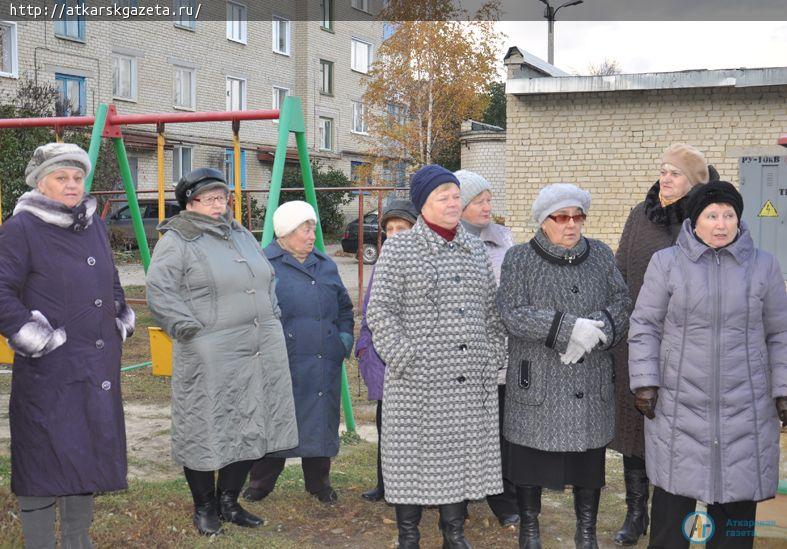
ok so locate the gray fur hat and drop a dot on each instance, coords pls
(55, 156)
(559, 195)
(471, 185)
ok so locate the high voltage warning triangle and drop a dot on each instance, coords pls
(768, 210)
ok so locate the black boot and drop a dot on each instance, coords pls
(375, 494)
(407, 519)
(586, 509)
(203, 492)
(528, 499)
(452, 524)
(636, 523)
(231, 511)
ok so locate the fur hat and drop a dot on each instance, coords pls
(427, 179)
(198, 181)
(557, 196)
(689, 160)
(715, 192)
(55, 156)
(471, 185)
(399, 208)
(290, 215)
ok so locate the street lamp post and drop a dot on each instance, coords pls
(549, 15)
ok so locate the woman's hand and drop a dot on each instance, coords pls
(347, 341)
(645, 399)
(587, 333)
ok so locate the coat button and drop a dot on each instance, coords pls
(98, 303)
(257, 322)
(107, 385)
(91, 260)
(579, 394)
(314, 282)
(574, 290)
(258, 353)
(252, 291)
(463, 347)
(450, 245)
(457, 279)
(461, 379)
(320, 393)
(461, 311)
(99, 344)
(319, 356)
(289, 334)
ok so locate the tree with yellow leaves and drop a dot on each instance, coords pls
(431, 73)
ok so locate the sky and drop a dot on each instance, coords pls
(653, 46)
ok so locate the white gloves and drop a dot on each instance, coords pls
(584, 338)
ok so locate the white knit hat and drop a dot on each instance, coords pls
(557, 196)
(471, 185)
(290, 215)
(54, 156)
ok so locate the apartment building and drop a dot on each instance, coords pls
(185, 65)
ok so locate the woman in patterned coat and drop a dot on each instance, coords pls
(565, 304)
(432, 312)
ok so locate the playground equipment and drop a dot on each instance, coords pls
(108, 123)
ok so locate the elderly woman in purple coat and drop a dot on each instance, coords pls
(399, 215)
(64, 313)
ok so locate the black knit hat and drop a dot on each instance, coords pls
(715, 192)
(197, 181)
(401, 209)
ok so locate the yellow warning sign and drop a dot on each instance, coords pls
(768, 210)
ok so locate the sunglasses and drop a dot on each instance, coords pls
(562, 219)
(211, 200)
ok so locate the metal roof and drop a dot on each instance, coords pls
(738, 78)
(535, 63)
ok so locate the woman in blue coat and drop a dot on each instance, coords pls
(317, 317)
(64, 313)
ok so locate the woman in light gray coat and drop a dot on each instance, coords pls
(565, 304)
(433, 318)
(707, 363)
(212, 290)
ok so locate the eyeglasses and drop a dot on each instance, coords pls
(211, 200)
(562, 219)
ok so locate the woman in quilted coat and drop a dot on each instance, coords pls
(212, 290)
(708, 365)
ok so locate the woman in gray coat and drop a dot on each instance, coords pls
(433, 318)
(565, 305)
(707, 362)
(212, 290)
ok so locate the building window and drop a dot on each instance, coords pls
(359, 173)
(359, 118)
(361, 56)
(181, 162)
(281, 35)
(72, 94)
(185, 12)
(326, 134)
(124, 77)
(326, 70)
(67, 24)
(326, 7)
(388, 30)
(236, 22)
(185, 87)
(278, 97)
(362, 5)
(9, 54)
(397, 113)
(229, 168)
(236, 94)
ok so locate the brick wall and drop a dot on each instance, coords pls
(482, 152)
(610, 143)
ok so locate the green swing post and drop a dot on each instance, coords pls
(95, 142)
(291, 120)
(133, 204)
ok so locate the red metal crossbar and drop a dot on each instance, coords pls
(783, 140)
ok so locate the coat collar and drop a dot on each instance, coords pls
(275, 251)
(694, 249)
(77, 219)
(191, 225)
(491, 233)
(434, 242)
(673, 214)
(558, 254)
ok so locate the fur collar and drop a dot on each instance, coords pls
(77, 219)
(674, 214)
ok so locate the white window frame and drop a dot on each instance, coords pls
(357, 43)
(242, 85)
(331, 77)
(326, 14)
(237, 27)
(276, 100)
(183, 20)
(359, 119)
(277, 24)
(177, 160)
(362, 5)
(117, 58)
(322, 144)
(10, 50)
(193, 90)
